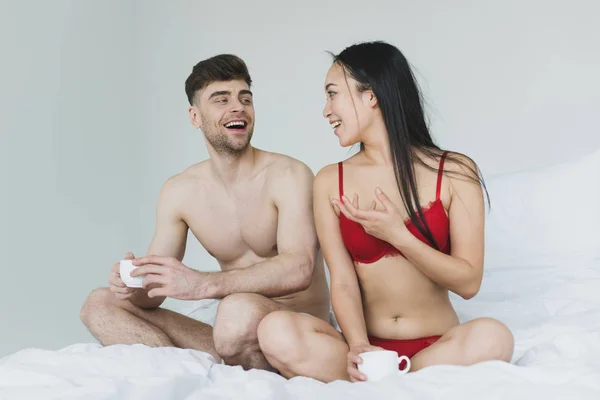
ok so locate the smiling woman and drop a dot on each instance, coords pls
(393, 262)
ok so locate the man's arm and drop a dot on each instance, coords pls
(169, 238)
(291, 271)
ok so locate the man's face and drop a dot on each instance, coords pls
(225, 112)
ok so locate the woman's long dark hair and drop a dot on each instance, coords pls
(382, 68)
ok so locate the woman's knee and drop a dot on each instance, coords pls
(490, 339)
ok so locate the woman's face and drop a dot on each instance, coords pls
(348, 111)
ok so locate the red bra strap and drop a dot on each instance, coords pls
(440, 173)
(341, 179)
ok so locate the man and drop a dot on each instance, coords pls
(250, 209)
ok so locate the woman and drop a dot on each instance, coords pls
(400, 224)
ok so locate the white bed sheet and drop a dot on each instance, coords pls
(553, 311)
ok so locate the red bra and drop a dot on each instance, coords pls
(367, 249)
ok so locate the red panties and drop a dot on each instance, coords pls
(407, 347)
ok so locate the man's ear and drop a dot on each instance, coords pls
(195, 119)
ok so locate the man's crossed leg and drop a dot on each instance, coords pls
(232, 339)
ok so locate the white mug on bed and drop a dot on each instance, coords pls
(125, 270)
(378, 365)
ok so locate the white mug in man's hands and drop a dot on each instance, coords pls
(378, 365)
(131, 281)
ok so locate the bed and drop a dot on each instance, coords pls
(542, 278)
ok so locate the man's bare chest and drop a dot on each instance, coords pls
(230, 228)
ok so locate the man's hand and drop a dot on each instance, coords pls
(173, 278)
(354, 359)
(116, 285)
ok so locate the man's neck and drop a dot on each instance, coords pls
(231, 169)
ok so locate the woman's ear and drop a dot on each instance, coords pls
(370, 98)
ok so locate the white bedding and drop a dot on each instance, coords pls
(555, 318)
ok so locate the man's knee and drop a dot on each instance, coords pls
(280, 337)
(96, 303)
(236, 323)
(490, 339)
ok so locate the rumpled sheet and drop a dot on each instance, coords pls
(553, 311)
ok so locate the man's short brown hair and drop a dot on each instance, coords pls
(222, 67)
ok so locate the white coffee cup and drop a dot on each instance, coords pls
(125, 270)
(378, 365)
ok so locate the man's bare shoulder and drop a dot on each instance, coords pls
(284, 169)
(188, 181)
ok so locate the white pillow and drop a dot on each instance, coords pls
(545, 216)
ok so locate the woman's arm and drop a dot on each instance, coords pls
(462, 270)
(345, 292)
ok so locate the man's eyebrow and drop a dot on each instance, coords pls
(220, 93)
(228, 93)
(329, 84)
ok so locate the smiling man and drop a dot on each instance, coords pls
(250, 209)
